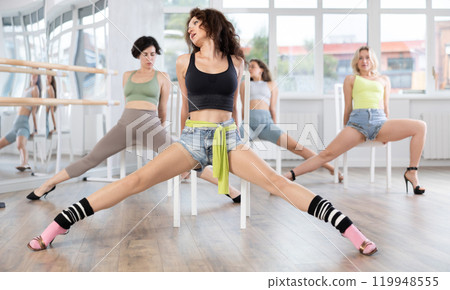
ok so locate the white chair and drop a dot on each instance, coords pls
(245, 186)
(339, 106)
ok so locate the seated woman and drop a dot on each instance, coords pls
(263, 109)
(146, 93)
(209, 79)
(366, 116)
(21, 128)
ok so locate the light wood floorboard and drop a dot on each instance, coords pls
(411, 232)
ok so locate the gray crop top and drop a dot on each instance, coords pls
(260, 91)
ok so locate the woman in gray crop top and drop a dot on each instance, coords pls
(21, 128)
(146, 93)
(263, 109)
(214, 41)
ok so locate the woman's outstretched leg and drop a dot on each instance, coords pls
(347, 139)
(3, 142)
(246, 164)
(114, 141)
(171, 162)
(290, 144)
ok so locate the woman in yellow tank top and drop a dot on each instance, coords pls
(366, 116)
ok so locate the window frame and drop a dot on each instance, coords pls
(58, 32)
(373, 12)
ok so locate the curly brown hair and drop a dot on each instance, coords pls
(219, 29)
(266, 75)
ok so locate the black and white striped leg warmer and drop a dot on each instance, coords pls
(324, 210)
(74, 213)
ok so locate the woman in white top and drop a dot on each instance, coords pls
(263, 109)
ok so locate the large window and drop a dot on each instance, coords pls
(403, 51)
(441, 70)
(343, 35)
(402, 4)
(253, 30)
(23, 38)
(351, 4)
(295, 60)
(295, 4)
(245, 4)
(89, 25)
(174, 43)
(308, 44)
(186, 3)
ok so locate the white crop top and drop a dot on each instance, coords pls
(260, 91)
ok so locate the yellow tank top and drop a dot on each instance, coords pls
(367, 94)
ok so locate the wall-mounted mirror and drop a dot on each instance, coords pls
(59, 32)
(23, 37)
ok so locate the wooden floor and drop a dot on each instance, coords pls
(412, 232)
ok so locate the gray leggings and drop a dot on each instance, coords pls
(135, 127)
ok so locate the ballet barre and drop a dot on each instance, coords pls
(46, 65)
(34, 71)
(9, 101)
(93, 70)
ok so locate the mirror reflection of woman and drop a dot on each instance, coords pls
(21, 128)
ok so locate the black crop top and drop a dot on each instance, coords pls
(211, 91)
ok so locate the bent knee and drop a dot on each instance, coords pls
(422, 125)
(20, 146)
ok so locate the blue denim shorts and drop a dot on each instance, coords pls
(20, 128)
(198, 142)
(262, 127)
(367, 121)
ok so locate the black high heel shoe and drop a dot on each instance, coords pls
(237, 199)
(416, 189)
(33, 196)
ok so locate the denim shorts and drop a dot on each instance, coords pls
(367, 121)
(198, 142)
(20, 128)
(262, 127)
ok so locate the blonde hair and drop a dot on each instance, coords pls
(373, 60)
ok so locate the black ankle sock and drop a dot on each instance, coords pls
(74, 213)
(324, 210)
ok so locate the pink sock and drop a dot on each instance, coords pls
(357, 238)
(48, 235)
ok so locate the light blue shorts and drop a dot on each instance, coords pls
(263, 127)
(20, 128)
(198, 142)
(367, 121)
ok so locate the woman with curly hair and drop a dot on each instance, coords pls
(209, 79)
